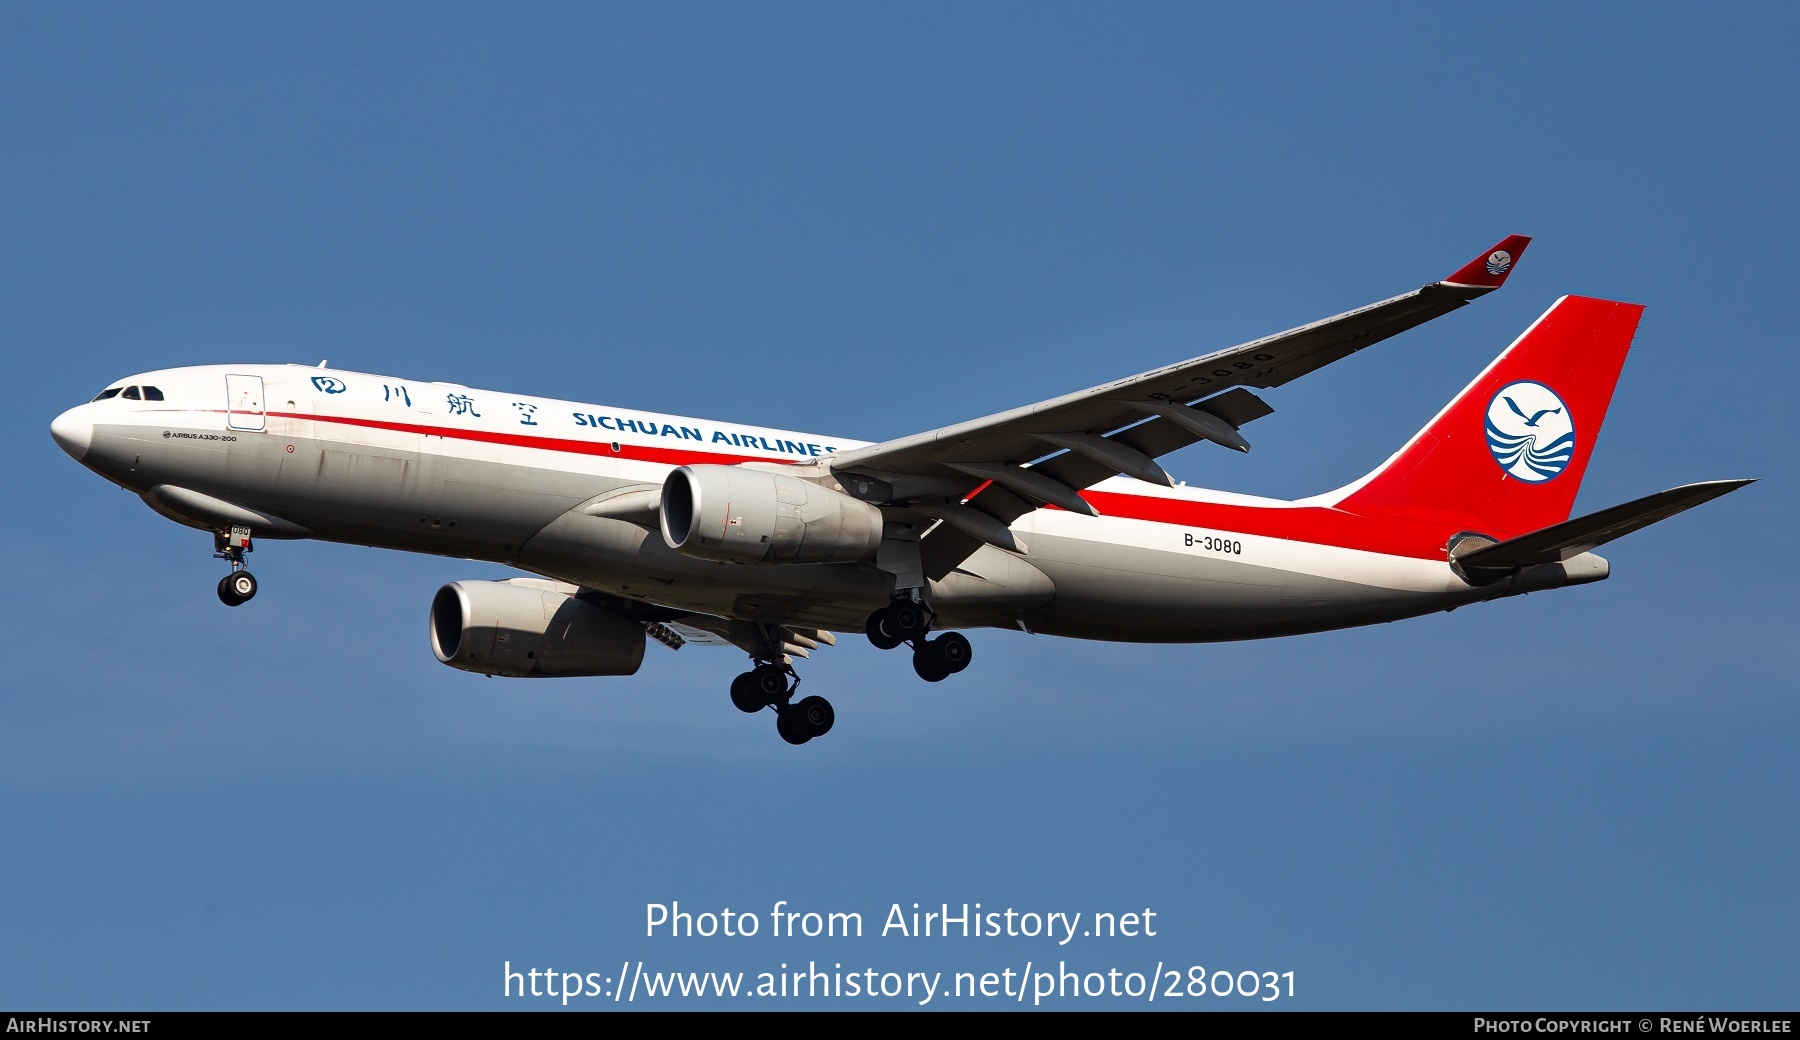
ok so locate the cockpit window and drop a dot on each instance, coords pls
(131, 394)
(104, 394)
(152, 393)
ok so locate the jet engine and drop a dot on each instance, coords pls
(530, 629)
(737, 515)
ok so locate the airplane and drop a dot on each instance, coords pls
(1053, 518)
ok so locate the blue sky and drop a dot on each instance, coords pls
(865, 222)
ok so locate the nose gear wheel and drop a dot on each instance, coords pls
(237, 588)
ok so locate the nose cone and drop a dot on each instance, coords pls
(73, 431)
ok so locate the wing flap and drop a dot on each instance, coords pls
(693, 635)
(1238, 407)
(1154, 439)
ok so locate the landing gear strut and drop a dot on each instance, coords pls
(771, 684)
(907, 621)
(238, 587)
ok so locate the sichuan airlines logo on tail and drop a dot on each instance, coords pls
(1530, 432)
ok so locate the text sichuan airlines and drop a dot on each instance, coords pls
(651, 427)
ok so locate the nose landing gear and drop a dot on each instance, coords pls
(905, 621)
(238, 587)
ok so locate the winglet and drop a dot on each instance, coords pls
(1489, 270)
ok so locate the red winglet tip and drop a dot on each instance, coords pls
(1489, 270)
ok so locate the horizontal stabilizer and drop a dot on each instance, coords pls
(1571, 538)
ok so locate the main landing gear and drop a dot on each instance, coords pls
(772, 682)
(907, 621)
(771, 685)
(238, 587)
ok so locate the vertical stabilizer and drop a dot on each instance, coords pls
(1508, 454)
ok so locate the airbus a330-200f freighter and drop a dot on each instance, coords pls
(1054, 518)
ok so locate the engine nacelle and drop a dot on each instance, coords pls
(526, 628)
(738, 515)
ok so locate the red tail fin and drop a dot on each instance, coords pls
(1507, 455)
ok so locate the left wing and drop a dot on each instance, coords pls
(979, 476)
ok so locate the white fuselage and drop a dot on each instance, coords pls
(445, 469)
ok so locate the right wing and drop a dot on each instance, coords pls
(1123, 426)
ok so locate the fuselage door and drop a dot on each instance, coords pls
(244, 403)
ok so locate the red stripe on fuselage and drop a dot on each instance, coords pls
(634, 452)
(1318, 525)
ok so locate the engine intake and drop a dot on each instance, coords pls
(527, 629)
(737, 515)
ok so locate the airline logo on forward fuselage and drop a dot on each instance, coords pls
(1530, 432)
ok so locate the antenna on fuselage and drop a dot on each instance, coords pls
(322, 363)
